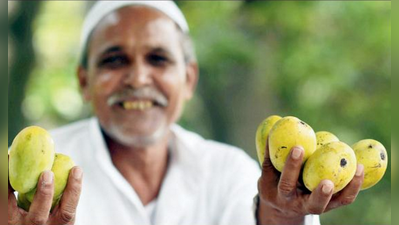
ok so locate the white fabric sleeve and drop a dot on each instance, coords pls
(238, 187)
(312, 220)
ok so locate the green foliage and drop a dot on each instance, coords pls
(326, 62)
(52, 95)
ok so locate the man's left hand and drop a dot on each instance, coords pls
(283, 201)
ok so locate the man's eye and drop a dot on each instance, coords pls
(114, 62)
(157, 60)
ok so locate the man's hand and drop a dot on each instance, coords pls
(283, 201)
(39, 212)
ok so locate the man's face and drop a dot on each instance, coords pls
(137, 79)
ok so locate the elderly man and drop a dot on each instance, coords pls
(138, 68)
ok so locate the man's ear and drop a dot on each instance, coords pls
(192, 73)
(84, 83)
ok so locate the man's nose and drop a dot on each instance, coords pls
(138, 76)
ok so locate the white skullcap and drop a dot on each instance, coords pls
(103, 8)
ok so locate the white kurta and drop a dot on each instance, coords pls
(207, 183)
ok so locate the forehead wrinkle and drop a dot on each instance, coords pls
(128, 30)
(152, 44)
(147, 48)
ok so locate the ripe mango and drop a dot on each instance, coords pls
(61, 168)
(287, 133)
(373, 156)
(30, 195)
(325, 137)
(262, 133)
(31, 153)
(335, 161)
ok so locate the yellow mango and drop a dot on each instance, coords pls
(262, 133)
(61, 168)
(287, 133)
(31, 153)
(325, 137)
(335, 161)
(30, 195)
(373, 156)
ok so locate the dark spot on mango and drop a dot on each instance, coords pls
(303, 123)
(28, 137)
(377, 166)
(284, 147)
(370, 146)
(343, 162)
(382, 155)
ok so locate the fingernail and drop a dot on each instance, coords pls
(47, 178)
(78, 173)
(327, 187)
(360, 169)
(296, 152)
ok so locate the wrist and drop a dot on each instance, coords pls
(268, 215)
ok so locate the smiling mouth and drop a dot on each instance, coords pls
(140, 105)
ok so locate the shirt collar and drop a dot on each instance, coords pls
(183, 177)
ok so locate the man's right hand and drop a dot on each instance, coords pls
(39, 212)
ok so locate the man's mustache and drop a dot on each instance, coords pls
(148, 93)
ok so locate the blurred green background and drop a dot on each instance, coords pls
(328, 63)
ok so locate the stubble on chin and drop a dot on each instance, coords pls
(138, 141)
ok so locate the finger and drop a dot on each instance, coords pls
(269, 174)
(320, 197)
(69, 201)
(292, 168)
(349, 194)
(13, 211)
(40, 208)
(267, 184)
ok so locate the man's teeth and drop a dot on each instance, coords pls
(137, 105)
